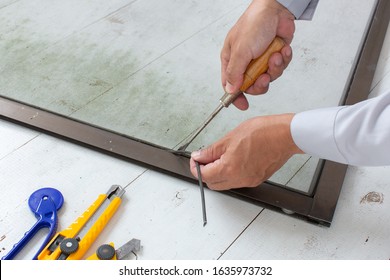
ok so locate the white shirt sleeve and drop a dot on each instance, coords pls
(301, 9)
(356, 135)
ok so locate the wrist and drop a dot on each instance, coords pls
(286, 120)
(274, 131)
(281, 124)
(274, 6)
(273, 18)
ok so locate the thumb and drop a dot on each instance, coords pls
(230, 88)
(209, 154)
(234, 80)
(209, 158)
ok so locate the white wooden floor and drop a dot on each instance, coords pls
(165, 212)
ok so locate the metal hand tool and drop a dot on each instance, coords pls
(201, 193)
(108, 252)
(255, 68)
(73, 242)
(44, 203)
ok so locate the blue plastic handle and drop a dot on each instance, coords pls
(44, 203)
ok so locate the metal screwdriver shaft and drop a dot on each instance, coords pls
(255, 68)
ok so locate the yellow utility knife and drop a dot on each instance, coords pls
(73, 242)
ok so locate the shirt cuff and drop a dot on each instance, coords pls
(313, 132)
(301, 9)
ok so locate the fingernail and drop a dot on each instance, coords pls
(288, 52)
(265, 81)
(278, 61)
(229, 87)
(195, 154)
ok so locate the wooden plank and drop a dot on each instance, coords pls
(79, 173)
(162, 211)
(359, 229)
(13, 137)
(165, 214)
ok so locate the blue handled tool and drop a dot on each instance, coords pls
(44, 203)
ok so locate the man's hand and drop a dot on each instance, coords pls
(248, 39)
(257, 148)
(248, 155)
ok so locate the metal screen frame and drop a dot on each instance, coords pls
(318, 207)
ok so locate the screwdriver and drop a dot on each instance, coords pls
(255, 68)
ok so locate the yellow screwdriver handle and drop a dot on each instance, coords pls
(255, 68)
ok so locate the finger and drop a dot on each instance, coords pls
(217, 178)
(287, 53)
(209, 154)
(261, 85)
(219, 186)
(193, 168)
(241, 102)
(225, 56)
(209, 158)
(213, 175)
(278, 62)
(209, 172)
(235, 70)
(275, 66)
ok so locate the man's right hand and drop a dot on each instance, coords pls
(248, 39)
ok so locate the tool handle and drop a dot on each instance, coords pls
(259, 65)
(52, 250)
(47, 219)
(52, 224)
(255, 68)
(28, 235)
(107, 251)
(96, 229)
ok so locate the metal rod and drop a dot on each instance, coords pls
(201, 193)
